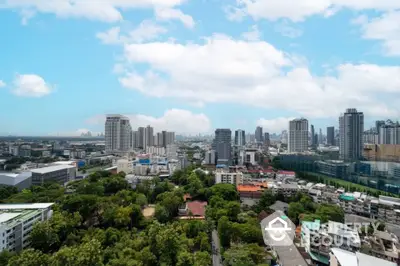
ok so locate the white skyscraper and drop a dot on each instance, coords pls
(298, 135)
(117, 133)
(351, 129)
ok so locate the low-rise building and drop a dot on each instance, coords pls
(341, 257)
(16, 222)
(235, 178)
(56, 173)
(19, 180)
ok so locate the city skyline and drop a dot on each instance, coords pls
(275, 61)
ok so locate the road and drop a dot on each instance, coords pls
(217, 260)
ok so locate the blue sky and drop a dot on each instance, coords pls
(192, 66)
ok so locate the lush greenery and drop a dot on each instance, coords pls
(99, 221)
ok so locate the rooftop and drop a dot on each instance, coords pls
(52, 168)
(197, 207)
(28, 206)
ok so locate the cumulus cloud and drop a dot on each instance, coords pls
(177, 120)
(175, 14)
(2, 83)
(257, 74)
(287, 30)
(299, 10)
(105, 10)
(31, 85)
(385, 28)
(276, 125)
(253, 34)
(147, 30)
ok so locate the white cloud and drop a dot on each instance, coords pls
(173, 13)
(385, 28)
(177, 120)
(286, 30)
(276, 125)
(147, 30)
(300, 10)
(104, 10)
(2, 84)
(30, 85)
(257, 74)
(253, 34)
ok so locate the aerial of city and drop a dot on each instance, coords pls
(199, 133)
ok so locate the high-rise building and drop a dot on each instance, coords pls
(259, 134)
(389, 133)
(134, 139)
(378, 125)
(222, 145)
(312, 142)
(298, 135)
(117, 133)
(142, 137)
(170, 138)
(267, 141)
(320, 137)
(351, 127)
(210, 157)
(149, 136)
(330, 136)
(284, 137)
(240, 137)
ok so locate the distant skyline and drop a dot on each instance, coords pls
(193, 66)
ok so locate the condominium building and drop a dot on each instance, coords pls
(56, 173)
(351, 127)
(16, 222)
(389, 133)
(298, 135)
(330, 136)
(149, 136)
(118, 135)
(386, 209)
(235, 178)
(210, 157)
(259, 134)
(240, 137)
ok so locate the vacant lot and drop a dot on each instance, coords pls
(149, 211)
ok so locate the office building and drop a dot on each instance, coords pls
(56, 173)
(351, 126)
(240, 137)
(117, 133)
(330, 136)
(298, 135)
(16, 223)
(312, 142)
(222, 145)
(259, 134)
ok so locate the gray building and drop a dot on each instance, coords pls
(19, 180)
(117, 133)
(259, 134)
(330, 136)
(312, 142)
(222, 145)
(389, 133)
(56, 173)
(142, 137)
(298, 135)
(149, 136)
(240, 137)
(351, 130)
(267, 141)
(210, 157)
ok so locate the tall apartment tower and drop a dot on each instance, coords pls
(330, 136)
(259, 134)
(142, 137)
(312, 142)
(240, 137)
(222, 145)
(298, 135)
(267, 141)
(149, 136)
(351, 129)
(117, 133)
(389, 133)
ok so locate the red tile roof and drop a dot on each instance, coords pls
(198, 208)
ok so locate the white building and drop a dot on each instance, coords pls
(118, 135)
(20, 180)
(155, 150)
(56, 173)
(234, 178)
(124, 165)
(172, 151)
(298, 135)
(16, 222)
(210, 157)
(340, 257)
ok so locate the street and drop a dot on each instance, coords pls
(217, 260)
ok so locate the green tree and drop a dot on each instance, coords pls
(330, 213)
(294, 211)
(44, 238)
(29, 257)
(224, 231)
